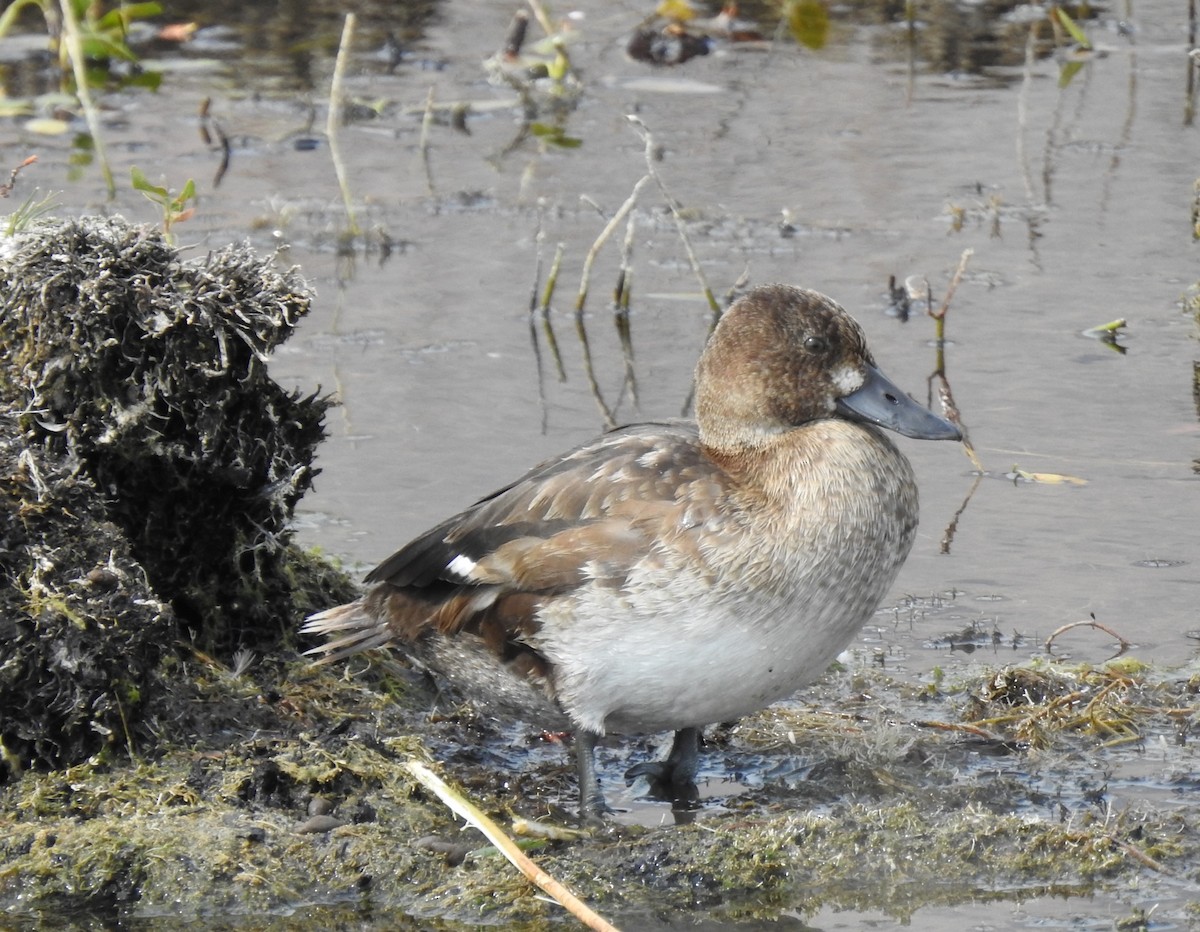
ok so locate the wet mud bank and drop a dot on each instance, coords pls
(284, 793)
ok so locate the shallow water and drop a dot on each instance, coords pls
(1076, 201)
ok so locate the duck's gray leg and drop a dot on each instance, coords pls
(591, 801)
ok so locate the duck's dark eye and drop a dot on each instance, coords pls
(816, 344)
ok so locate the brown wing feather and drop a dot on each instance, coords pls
(591, 514)
(563, 513)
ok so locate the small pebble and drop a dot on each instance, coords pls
(319, 823)
(319, 805)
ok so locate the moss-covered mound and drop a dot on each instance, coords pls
(153, 372)
(81, 632)
(149, 468)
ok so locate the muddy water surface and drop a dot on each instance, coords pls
(833, 169)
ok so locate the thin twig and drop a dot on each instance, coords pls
(1140, 856)
(1089, 623)
(334, 120)
(547, 326)
(622, 295)
(952, 527)
(589, 371)
(945, 394)
(648, 139)
(539, 14)
(521, 861)
(590, 259)
(539, 239)
(965, 728)
(7, 189)
(552, 279)
(963, 261)
(426, 123)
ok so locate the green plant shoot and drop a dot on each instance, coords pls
(174, 209)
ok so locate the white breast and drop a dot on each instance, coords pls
(687, 644)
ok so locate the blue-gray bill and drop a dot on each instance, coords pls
(880, 401)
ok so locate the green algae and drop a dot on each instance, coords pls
(216, 826)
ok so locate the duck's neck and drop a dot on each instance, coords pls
(775, 464)
(750, 456)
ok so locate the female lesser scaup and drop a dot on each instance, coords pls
(667, 576)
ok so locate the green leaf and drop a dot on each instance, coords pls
(142, 183)
(187, 194)
(148, 80)
(808, 21)
(1068, 71)
(15, 106)
(118, 20)
(1070, 25)
(554, 135)
(9, 16)
(46, 126)
(560, 66)
(102, 48)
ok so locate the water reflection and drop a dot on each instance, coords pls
(286, 45)
(293, 39)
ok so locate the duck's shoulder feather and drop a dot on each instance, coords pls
(596, 505)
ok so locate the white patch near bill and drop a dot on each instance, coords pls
(848, 379)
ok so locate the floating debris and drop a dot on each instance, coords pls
(670, 45)
(1109, 334)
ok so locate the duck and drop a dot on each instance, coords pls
(670, 575)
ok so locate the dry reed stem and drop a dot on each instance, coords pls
(426, 123)
(1089, 623)
(463, 808)
(590, 259)
(333, 122)
(84, 93)
(648, 139)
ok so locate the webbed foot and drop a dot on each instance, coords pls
(673, 779)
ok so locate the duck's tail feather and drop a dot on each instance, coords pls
(350, 629)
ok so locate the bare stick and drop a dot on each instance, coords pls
(547, 294)
(589, 370)
(963, 260)
(648, 139)
(334, 121)
(952, 527)
(426, 122)
(1139, 855)
(84, 93)
(521, 861)
(7, 189)
(622, 295)
(1090, 623)
(945, 395)
(540, 15)
(552, 278)
(612, 224)
(623, 292)
(540, 239)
